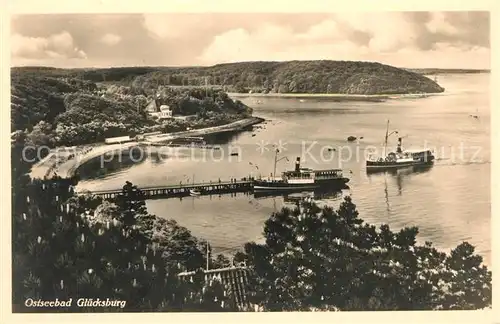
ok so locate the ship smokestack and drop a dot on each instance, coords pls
(399, 150)
(297, 165)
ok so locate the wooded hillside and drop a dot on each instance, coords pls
(322, 76)
(57, 107)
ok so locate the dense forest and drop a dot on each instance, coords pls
(67, 246)
(54, 108)
(322, 76)
(326, 259)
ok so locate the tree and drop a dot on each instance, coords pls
(177, 244)
(67, 246)
(469, 283)
(41, 134)
(318, 258)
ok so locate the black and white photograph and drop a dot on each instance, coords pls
(178, 162)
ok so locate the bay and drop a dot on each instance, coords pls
(449, 202)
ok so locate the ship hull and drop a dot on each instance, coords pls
(260, 185)
(301, 193)
(405, 170)
(372, 165)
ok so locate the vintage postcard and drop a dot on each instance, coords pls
(250, 161)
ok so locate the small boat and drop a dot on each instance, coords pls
(476, 115)
(301, 178)
(194, 192)
(188, 141)
(399, 159)
(234, 154)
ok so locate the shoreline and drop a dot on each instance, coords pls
(231, 127)
(67, 167)
(336, 96)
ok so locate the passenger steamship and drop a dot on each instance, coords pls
(301, 178)
(400, 158)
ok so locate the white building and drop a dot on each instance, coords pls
(117, 140)
(165, 112)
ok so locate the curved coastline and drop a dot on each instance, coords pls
(59, 162)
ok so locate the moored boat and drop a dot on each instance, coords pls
(401, 158)
(188, 141)
(194, 192)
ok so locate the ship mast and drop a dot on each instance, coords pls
(276, 160)
(208, 257)
(387, 134)
(386, 137)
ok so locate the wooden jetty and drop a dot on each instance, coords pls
(182, 190)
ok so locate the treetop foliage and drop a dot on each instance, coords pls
(320, 258)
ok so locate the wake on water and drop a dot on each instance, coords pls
(458, 163)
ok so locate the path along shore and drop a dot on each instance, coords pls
(64, 161)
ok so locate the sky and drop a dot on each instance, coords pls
(402, 39)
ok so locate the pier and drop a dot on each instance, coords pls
(182, 190)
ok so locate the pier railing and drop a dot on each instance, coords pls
(181, 189)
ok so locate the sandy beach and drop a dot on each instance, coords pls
(64, 161)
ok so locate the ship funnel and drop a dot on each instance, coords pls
(399, 150)
(297, 165)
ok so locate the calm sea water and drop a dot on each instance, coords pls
(449, 202)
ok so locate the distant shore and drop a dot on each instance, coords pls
(332, 96)
(434, 71)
